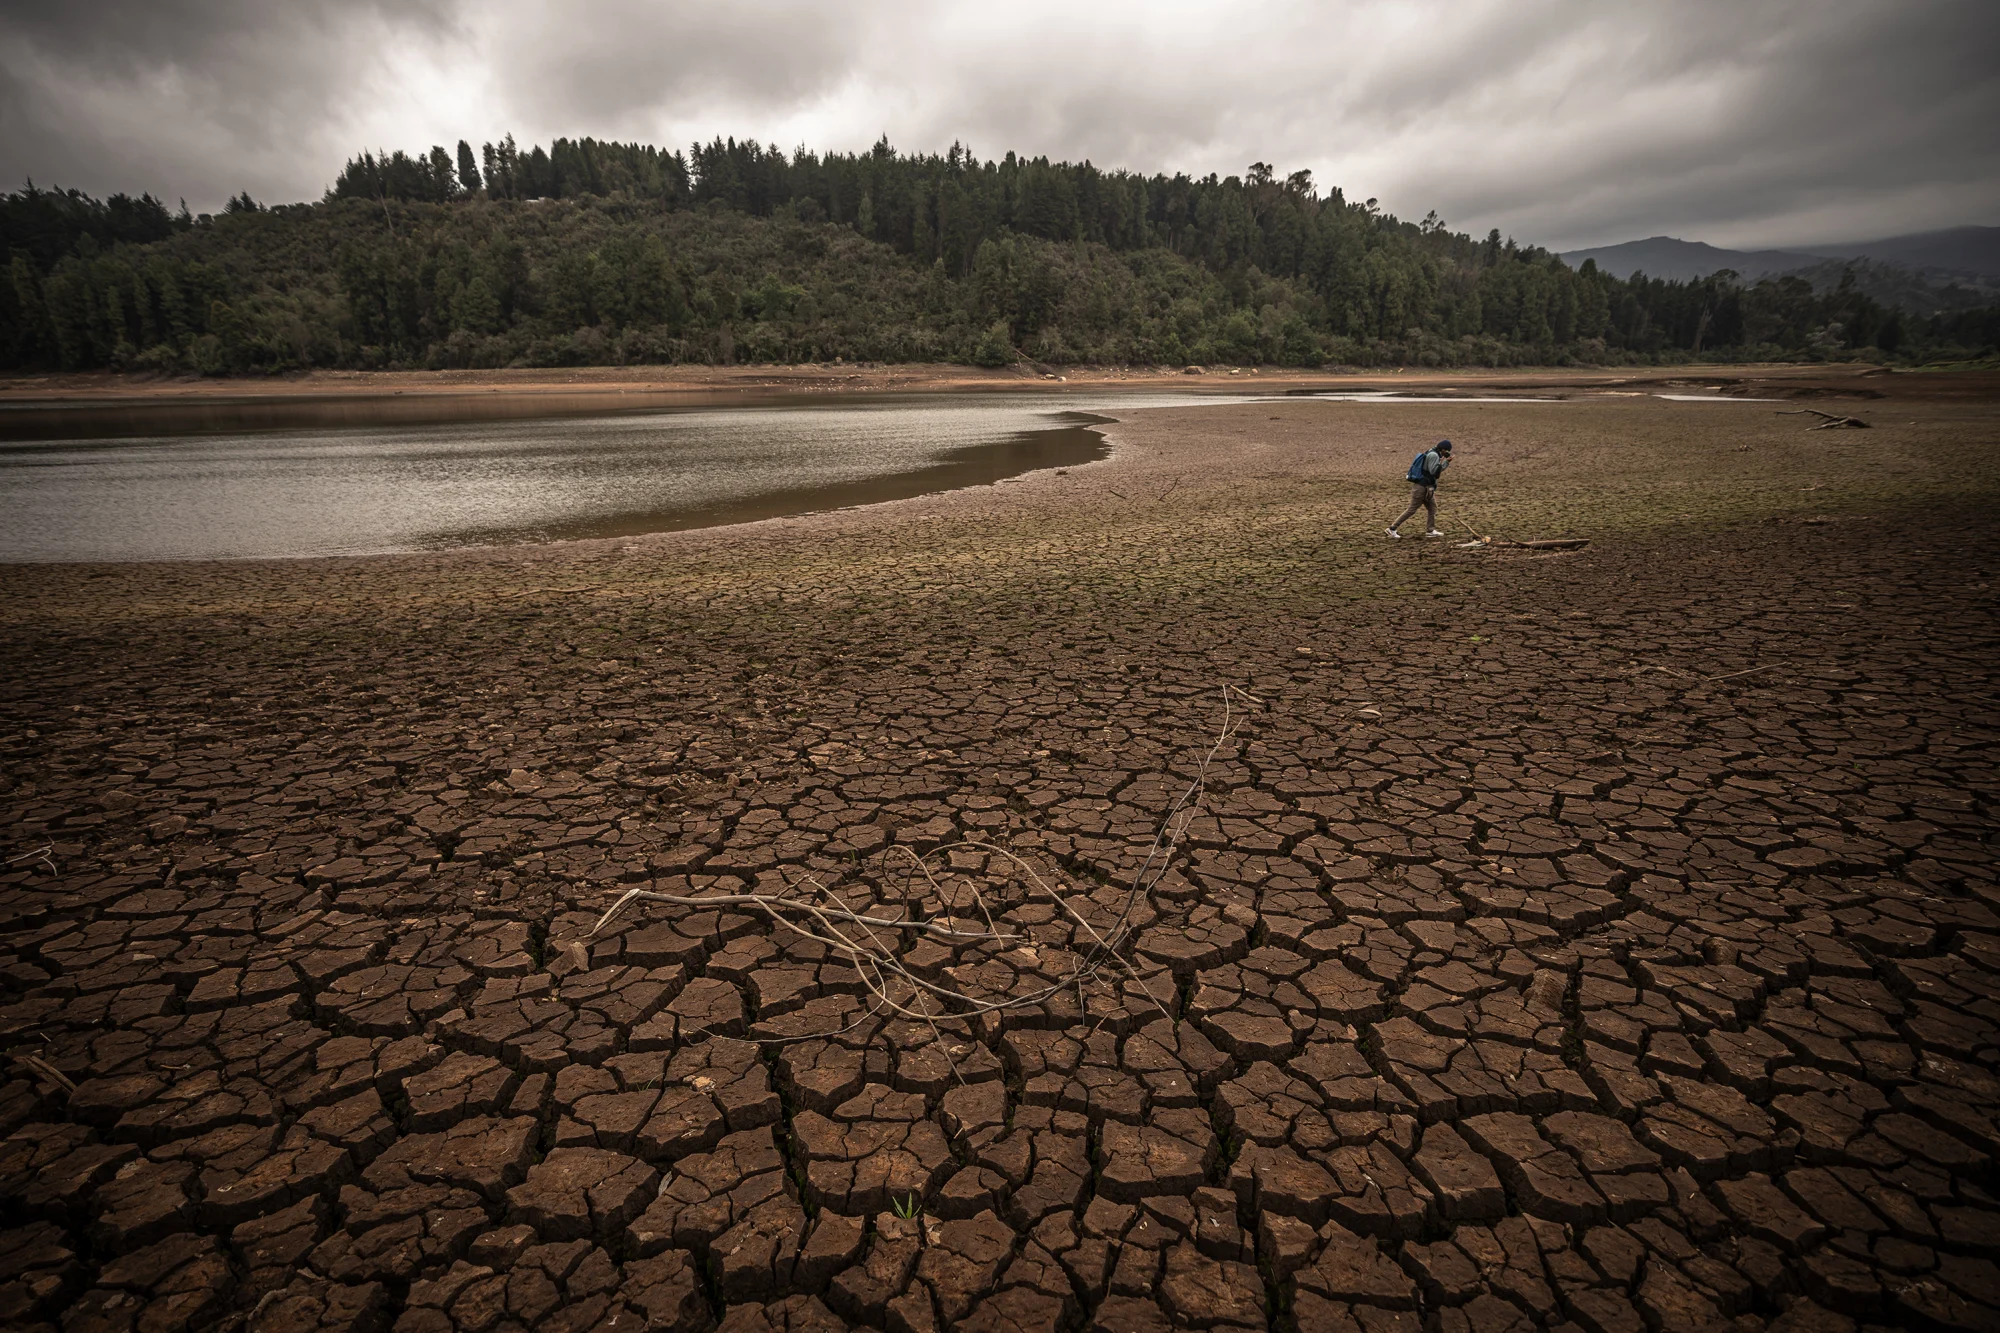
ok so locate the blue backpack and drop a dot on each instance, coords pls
(1417, 471)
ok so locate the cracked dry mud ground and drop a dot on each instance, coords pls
(1603, 941)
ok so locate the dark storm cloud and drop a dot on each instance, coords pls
(1567, 122)
(197, 97)
(634, 58)
(1818, 121)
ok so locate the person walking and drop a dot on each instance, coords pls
(1426, 471)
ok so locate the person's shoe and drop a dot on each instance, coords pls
(1394, 533)
(1435, 532)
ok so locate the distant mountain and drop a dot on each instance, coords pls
(1921, 273)
(1956, 251)
(1684, 261)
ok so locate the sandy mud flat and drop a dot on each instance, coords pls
(1603, 938)
(89, 404)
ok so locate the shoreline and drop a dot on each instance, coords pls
(109, 388)
(94, 406)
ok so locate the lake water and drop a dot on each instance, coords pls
(377, 489)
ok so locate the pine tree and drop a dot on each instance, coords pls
(509, 163)
(468, 170)
(995, 347)
(442, 183)
(476, 308)
(34, 341)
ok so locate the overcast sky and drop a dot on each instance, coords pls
(1562, 122)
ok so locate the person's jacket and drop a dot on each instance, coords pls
(1427, 469)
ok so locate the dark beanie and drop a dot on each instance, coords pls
(1444, 446)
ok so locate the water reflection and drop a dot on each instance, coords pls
(329, 492)
(972, 465)
(208, 414)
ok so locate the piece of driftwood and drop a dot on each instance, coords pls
(1832, 421)
(1546, 544)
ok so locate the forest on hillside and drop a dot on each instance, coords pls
(593, 253)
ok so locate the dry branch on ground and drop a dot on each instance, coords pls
(1832, 421)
